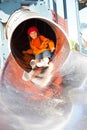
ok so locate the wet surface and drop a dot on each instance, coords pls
(68, 111)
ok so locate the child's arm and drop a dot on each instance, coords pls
(47, 43)
(51, 46)
(29, 51)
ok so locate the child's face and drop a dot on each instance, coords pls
(33, 34)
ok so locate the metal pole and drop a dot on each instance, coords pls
(78, 24)
(55, 10)
(65, 9)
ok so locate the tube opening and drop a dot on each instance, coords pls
(19, 40)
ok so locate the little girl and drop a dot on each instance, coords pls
(41, 47)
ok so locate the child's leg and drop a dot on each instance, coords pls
(46, 61)
(34, 62)
(46, 57)
(39, 62)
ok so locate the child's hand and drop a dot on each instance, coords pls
(53, 50)
(24, 52)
